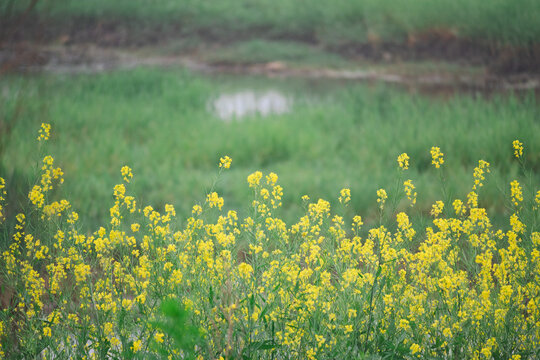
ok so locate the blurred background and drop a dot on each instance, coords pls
(325, 94)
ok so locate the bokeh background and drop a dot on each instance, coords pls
(325, 94)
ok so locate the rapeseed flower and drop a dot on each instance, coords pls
(479, 171)
(127, 173)
(254, 179)
(403, 161)
(437, 158)
(381, 197)
(225, 162)
(214, 200)
(245, 270)
(308, 286)
(136, 346)
(345, 196)
(437, 208)
(409, 191)
(518, 148)
(2, 197)
(516, 193)
(44, 132)
(415, 348)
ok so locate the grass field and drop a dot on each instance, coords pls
(336, 23)
(159, 123)
(127, 233)
(97, 263)
(365, 222)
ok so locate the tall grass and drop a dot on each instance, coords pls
(256, 287)
(159, 124)
(340, 21)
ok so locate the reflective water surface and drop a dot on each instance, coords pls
(250, 103)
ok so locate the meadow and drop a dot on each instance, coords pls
(221, 286)
(338, 23)
(159, 123)
(365, 221)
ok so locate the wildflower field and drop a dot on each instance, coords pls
(146, 285)
(390, 210)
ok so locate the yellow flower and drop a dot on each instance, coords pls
(245, 270)
(409, 191)
(437, 208)
(459, 208)
(320, 340)
(472, 200)
(197, 210)
(108, 328)
(271, 179)
(517, 225)
(44, 132)
(518, 148)
(486, 351)
(47, 330)
(483, 167)
(214, 200)
(415, 348)
(2, 196)
(437, 157)
(381, 197)
(357, 220)
(73, 217)
(345, 196)
(516, 193)
(403, 161)
(36, 196)
(119, 191)
(127, 174)
(135, 227)
(136, 346)
(225, 162)
(159, 337)
(254, 179)
(403, 324)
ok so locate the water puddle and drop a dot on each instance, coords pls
(237, 105)
(91, 59)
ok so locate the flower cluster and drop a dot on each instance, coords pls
(214, 200)
(225, 162)
(518, 148)
(409, 191)
(381, 197)
(127, 174)
(320, 288)
(437, 158)
(516, 193)
(479, 172)
(345, 196)
(2, 197)
(44, 132)
(403, 161)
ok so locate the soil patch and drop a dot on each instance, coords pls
(90, 45)
(434, 44)
(29, 57)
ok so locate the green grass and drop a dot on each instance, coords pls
(337, 22)
(262, 51)
(336, 136)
